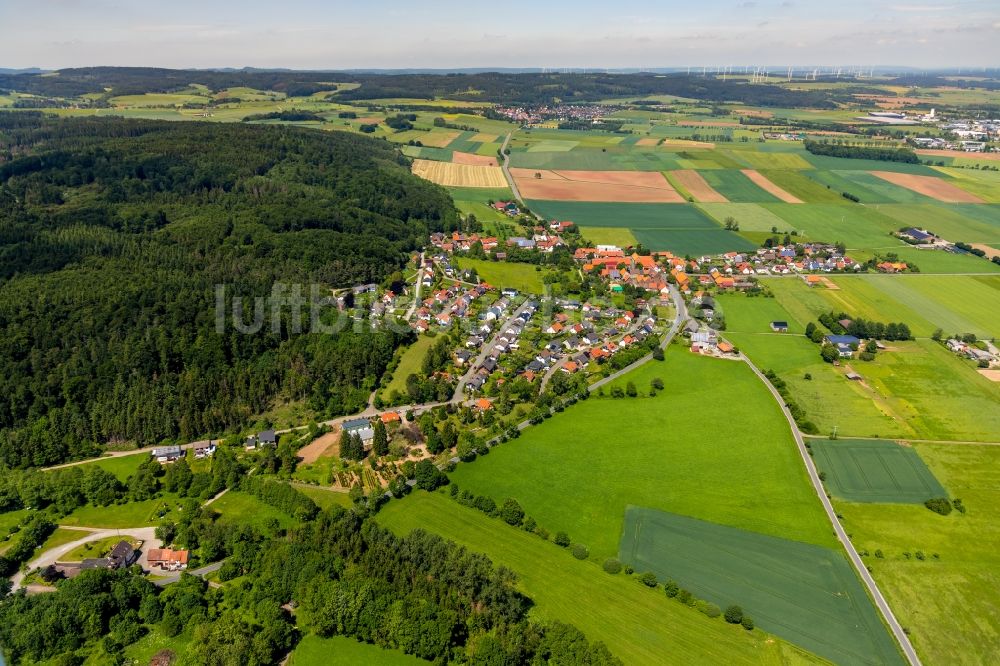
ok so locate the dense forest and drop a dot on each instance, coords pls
(500, 88)
(113, 236)
(341, 573)
(884, 154)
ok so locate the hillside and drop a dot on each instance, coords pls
(113, 237)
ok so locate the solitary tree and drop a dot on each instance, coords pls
(380, 441)
(734, 614)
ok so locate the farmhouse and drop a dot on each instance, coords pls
(779, 326)
(203, 449)
(167, 559)
(166, 454)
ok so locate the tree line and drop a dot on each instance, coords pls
(883, 154)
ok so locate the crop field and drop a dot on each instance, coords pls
(475, 160)
(855, 226)
(579, 470)
(803, 185)
(769, 160)
(826, 163)
(875, 471)
(157, 99)
(680, 228)
(984, 184)
(941, 573)
(500, 274)
(791, 589)
(957, 222)
(751, 217)
(694, 184)
(639, 625)
(761, 181)
(459, 175)
(607, 186)
(344, 651)
(736, 186)
(615, 159)
(936, 188)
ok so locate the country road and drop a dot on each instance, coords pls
(859, 565)
(174, 577)
(505, 165)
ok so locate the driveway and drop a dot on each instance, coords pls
(145, 534)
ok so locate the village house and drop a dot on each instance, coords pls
(167, 559)
(167, 454)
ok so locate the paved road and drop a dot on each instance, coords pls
(859, 565)
(483, 353)
(505, 165)
(417, 290)
(679, 319)
(145, 534)
(176, 576)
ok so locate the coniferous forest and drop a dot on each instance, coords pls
(113, 236)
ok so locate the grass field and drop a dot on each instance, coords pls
(750, 217)
(237, 506)
(610, 236)
(969, 223)
(638, 625)
(132, 514)
(579, 470)
(855, 226)
(791, 589)
(326, 498)
(984, 184)
(680, 228)
(874, 471)
(924, 302)
(500, 274)
(121, 466)
(803, 185)
(344, 651)
(916, 390)
(409, 363)
(949, 602)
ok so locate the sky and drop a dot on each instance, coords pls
(313, 34)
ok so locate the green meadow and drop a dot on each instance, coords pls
(862, 470)
(409, 364)
(501, 274)
(579, 470)
(789, 588)
(639, 625)
(940, 573)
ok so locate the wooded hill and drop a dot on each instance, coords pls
(113, 235)
(496, 87)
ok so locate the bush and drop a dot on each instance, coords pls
(580, 551)
(709, 609)
(511, 512)
(939, 505)
(747, 622)
(629, 570)
(671, 588)
(562, 539)
(648, 579)
(612, 566)
(734, 614)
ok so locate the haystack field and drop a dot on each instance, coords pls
(929, 186)
(473, 160)
(459, 175)
(763, 183)
(610, 186)
(674, 144)
(693, 182)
